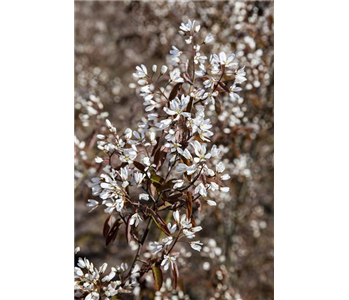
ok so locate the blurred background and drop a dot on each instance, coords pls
(111, 38)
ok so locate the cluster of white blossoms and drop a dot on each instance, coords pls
(166, 164)
(93, 284)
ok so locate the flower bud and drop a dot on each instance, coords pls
(163, 69)
(154, 68)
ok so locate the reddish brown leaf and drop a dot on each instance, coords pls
(175, 274)
(156, 146)
(128, 231)
(139, 166)
(159, 158)
(121, 166)
(224, 86)
(107, 225)
(112, 233)
(174, 91)
(217, 107)
(190, 105)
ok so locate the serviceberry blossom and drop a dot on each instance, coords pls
(168, 261)
(135, 219)
(177, 107)
(165, 164)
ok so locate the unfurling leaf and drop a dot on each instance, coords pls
(158, 279)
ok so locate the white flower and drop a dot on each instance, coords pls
(190, 232)
(155, 247)
(240, 75)
(202, 72)
(220, 167)
(233, 89)
(171, 228)
(92, 296)
(211, 97)
(141, 72)
(211, 203)
(128, 155)
(163, 70)
(144, 197)
(154, 68)
(200, 151)
(187, 27)
(92, 203)
(215, 151)
(175, 76)
(135, 219)
(138, 178)
(178, 182)
(210, 82)
(177, 107)
(209, 39)
(225, 189)
(223, 60)
(196, 245)
(200, 189)
(183, 168)
(76, 250)
(98, 160)
(101, 136)
(202, 127)
(149, 105)
(163, 124)
(168, 261)
(152, 117)
(174, 55)
(198, 58)
(112, 204)
(225, 176)
(78, 272)
(167, 240)
(183, 222)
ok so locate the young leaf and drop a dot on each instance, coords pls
(174, 91)
(139, 166)
(155, 178)
(175, 274)
(107, 225)
(158, 279)
(189, 205)
(217, 107)
(113, 233)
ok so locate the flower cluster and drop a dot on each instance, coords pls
(166, 164)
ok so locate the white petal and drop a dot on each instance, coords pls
(211, 203)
